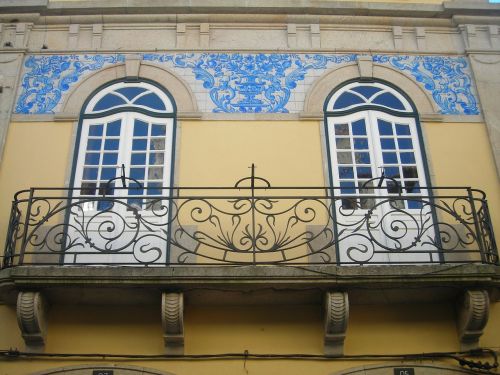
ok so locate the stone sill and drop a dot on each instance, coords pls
(250, 284)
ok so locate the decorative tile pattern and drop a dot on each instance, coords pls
(446, 78)
(250, 83)
(246, 83)
(46, 78)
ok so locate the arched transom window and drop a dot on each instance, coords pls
(126, 128)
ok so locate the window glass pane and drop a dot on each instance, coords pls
(95, 130)
(151, 101)
(359, 127)
(92, 158)
(88, 188)
(405, 143)
(130, 92)
(393, 188)
(366, 91)
(388, 144)
(104, 204)
(140, 128)
(137, 173)
(346, 100)
(139, 144)
(392, 172)
(113, 128)
(154, 188)
(402, 129)
(156, 158)
(111, 144)
(108, 173)
(157, 144)
(362, 157)
(365, 187)
(138, 159)
(109, 101)
(155, 173)
(106, 189)
(384, 127)
(341, 129)
(410, 172)
(389, 158)
(346, 172)
(412, 187)
(110, 158)
(389, 100)
(344, 157)
(414, 204)
(361, 143)
(89, 174)
(343, 143)
(134, 203)
(407, 158)
(158, 129)
(94, 144)
(135, 189)
(347, 187)
(364, 172)
(349, 203)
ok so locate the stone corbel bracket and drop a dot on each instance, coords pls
(336, 319)
(473, 308)
(172, 318)
(32, 319)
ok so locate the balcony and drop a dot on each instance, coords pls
(251, 244)
(251, 223)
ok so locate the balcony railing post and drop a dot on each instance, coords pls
(492, 251)
(254, 240)
(479, 237)
(26, 226)
(10, 241)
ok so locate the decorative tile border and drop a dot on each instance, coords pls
(246, 83)
(46, 78)
(448, 79)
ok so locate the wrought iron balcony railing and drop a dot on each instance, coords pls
(249, 225)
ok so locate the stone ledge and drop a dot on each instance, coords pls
(367, 284)
(262, 7)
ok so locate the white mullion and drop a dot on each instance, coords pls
(125, 147)
(374, 145)
(148, 152)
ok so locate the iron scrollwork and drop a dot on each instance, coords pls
(250, 223)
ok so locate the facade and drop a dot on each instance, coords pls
(227, 187)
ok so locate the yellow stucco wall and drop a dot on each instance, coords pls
(218, 153)
(388, 329)
(35, 155)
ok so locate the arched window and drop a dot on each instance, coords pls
(122, 176)
(127, 127)
(375, 156)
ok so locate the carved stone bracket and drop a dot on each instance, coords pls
(31, 317)
(336, 318)
(172, 318)
(472, 315)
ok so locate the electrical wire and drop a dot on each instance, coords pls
(461, 357)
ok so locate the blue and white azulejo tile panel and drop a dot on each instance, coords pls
(245, 83)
